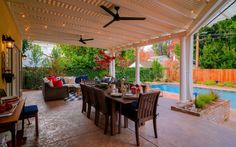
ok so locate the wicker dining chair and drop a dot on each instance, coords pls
(144, 110)
(91, 100)
(102, 105)
(84, 97)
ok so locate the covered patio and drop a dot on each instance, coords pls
(63, 124)
(66, 21)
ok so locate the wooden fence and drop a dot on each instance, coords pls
(203, 75)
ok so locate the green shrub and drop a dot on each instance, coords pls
(199, 103)
(220, 84)
(199, 82)
(210, 82)
(228, 84)
(214, 95)
(203, 99)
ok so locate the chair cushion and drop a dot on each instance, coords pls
(31, 109)
(129, 110)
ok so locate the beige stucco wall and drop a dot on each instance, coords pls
(8, 27)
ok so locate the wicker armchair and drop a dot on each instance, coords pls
(144, 110)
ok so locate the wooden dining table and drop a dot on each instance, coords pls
(120, 101)
(9, 122)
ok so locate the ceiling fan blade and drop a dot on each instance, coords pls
(107, 10)
(71, 39)
(82, 41)
(88, 39)
(132, 18)
(108, 23)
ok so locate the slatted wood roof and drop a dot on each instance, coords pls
(63, 21)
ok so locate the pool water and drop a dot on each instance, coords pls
(227, 95)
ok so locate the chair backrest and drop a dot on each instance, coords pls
(147, 105)
(101, 100)
(2, 93)
(89, 82)
(91, 96)
(84, 92)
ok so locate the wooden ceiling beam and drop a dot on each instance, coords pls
(150, 41)
(199, 20)
(52, 40)
(93, 20)
(78, 30)
(50, 19)
(129, 31)
(175, 8)
(67, 36)
(134, 6)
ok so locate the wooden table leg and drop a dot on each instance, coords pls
(119, 126)
(113, 117)
(13, 134)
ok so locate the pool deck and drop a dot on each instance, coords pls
(231, 123)
(62, 124)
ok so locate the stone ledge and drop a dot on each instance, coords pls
(217, 111)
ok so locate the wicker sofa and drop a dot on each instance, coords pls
(54, 93)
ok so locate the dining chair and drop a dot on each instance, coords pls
(84, 97)
(102, 105)
(142, 111)
(91, 100)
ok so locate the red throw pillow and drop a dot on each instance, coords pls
(51, 78)
(57, 83)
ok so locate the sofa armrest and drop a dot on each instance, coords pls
(51, 93)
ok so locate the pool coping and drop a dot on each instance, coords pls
(199, 86)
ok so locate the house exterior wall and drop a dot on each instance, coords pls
(7, 27)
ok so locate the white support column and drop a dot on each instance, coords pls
(110, 68)
(189, 67)
(186, 65)
(137, 68)
(183, 74)
(113, 66)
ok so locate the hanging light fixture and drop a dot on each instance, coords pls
(24, 57)
(8, 41)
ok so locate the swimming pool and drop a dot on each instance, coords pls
(227, 95)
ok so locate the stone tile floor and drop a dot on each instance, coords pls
(63, 125)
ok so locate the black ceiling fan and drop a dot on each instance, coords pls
(84, 40)
(116, 16)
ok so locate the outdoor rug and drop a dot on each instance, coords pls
(73, 97)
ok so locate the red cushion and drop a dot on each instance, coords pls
(57, 83)
(51, 78)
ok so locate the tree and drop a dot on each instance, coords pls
(177, 50)
(157, 70)
(79, 60)
(25, 45)
(36, 55)
(160, 48)
(128, 54)
(54, 62)
(218, 45)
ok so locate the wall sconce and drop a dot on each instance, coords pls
(24, 57)
(8, 41)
